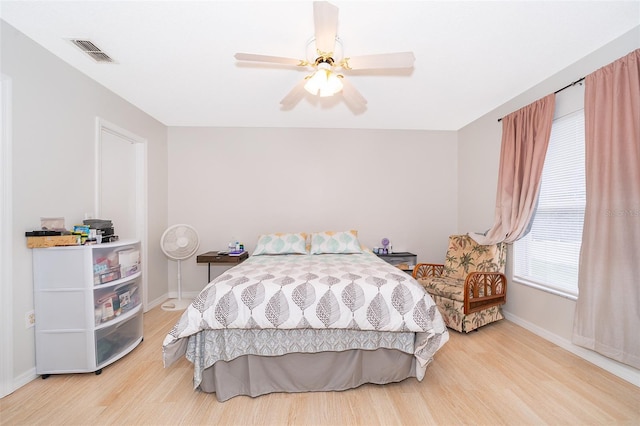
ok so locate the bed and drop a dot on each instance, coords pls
(294, 318)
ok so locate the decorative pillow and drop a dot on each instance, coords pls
(335, 242)
(281, 244)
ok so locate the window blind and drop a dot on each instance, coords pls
(548, 255)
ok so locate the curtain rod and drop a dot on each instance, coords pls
(560, 90)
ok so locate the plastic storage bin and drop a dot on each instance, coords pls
(89, 313)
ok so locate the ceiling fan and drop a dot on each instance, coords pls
(325, 80)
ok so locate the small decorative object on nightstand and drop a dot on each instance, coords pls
(221, 258)
(403, 260)
(385, 246)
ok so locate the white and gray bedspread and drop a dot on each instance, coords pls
(272, 305)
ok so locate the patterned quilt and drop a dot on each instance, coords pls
(329, 291)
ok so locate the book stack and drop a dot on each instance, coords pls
(103, 227)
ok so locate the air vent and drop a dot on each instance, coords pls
(93, 51)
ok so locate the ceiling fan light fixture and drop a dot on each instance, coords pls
(324, 53)
(323, 82)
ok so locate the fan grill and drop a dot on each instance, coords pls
(180, 242)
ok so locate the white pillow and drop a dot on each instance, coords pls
(280, 243)
(343, 242)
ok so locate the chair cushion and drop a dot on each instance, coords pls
(453, 316)
(447, 294)
(464, 255)
(446, 287)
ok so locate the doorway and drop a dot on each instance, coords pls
(121, 186)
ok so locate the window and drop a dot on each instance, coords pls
(548, 256)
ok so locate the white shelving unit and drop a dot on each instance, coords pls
(88, 306)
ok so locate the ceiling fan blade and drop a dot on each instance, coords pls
(325, 18)
(294, 96)
(271, 59)
(352, 96)
(383, 60)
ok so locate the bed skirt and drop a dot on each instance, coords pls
(255, 375)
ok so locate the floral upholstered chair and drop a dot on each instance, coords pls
(470, 287)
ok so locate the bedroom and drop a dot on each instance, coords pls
(386, 178)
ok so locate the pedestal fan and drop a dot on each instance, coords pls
(179, 242)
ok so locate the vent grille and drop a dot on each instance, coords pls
(93, 51)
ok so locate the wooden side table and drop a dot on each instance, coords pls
(220, 259)
(403, 260)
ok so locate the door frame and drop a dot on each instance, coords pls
(6, 238)
(141, 189)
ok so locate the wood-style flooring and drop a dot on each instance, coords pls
(499, 375)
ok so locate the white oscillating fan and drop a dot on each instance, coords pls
(179, 242)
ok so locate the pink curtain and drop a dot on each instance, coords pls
(525, 137)
(607, 317)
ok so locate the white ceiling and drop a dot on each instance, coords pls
(175, 58)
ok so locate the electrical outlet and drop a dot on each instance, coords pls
(30, 319)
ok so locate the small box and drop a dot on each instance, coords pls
(81, 229)
(110, 274)
(125, 299)
(53, 241)
(128, 257)
(126, 271)
(53, 223)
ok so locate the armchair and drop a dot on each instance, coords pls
(470, 286)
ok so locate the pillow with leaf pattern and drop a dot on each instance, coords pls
(329, 242)
(280, 243)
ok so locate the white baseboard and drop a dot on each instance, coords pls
(170, 295)
(623, 371)
(185, 295)
(156, 302)
(24, 378)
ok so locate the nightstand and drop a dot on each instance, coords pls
(220, 259)
(403, 260)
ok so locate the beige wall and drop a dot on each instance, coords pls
(479, 148)
(54, 109)
(231, 182)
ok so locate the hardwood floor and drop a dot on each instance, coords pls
(501, 374)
